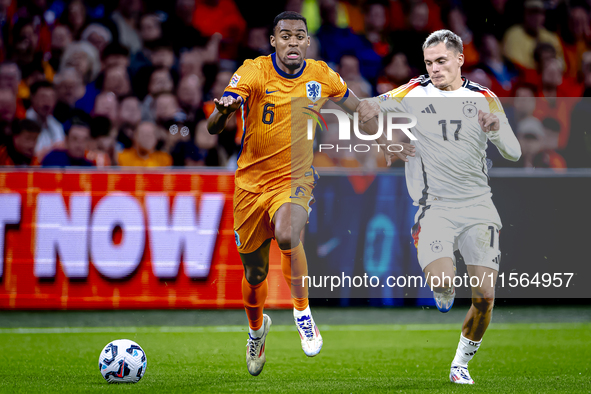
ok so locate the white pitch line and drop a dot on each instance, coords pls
(284, 328)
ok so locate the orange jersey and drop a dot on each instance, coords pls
(272, 152)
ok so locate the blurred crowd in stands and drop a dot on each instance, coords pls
(132, 82)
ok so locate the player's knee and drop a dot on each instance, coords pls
(484, 301)
(254, 276)
(286, 237)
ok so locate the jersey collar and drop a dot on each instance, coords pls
(283, 73)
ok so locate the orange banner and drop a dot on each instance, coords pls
(122, 240)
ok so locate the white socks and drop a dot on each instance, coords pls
(466, 350)
(305, 312)
(258, 333)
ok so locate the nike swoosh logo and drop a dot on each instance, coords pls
(267, 91)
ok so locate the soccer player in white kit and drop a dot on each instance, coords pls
(447, 178)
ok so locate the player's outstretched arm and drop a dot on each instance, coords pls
(224, 108)
(499, 133)
(369, 111)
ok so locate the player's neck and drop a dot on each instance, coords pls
(286, 70)
(455, 85)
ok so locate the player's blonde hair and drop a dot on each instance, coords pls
(449, 38)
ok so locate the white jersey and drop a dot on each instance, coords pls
(450, 163)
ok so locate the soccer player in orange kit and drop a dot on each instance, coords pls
(275, 177)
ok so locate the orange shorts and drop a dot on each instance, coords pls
(254, 212)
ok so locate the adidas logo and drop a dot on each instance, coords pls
(429, 110)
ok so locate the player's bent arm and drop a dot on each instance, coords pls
(506, 142)
(224, 109)
(349, 103)
(217, 122)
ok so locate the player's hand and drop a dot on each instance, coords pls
(227, 104)
(367, 110)
(488, 121)
(407, 150)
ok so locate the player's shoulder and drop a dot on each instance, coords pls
(477, 89)
(413, 86)
(319, 68)
(261, 63)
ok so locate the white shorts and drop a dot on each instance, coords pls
(472, 229)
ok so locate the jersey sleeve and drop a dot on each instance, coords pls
(338, 86)
(504, 138)
(244, 81)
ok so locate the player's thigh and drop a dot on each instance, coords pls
(251, 221)
(434, 237)
(440, 272)
(256, 264)
(290, 209)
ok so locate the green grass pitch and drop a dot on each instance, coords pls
(528, 358)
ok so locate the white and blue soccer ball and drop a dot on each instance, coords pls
(122, 361)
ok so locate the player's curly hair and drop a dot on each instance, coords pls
(449, 38)
(291, 16)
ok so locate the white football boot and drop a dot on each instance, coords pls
(460, 375)
(255, 349)
(309, 333)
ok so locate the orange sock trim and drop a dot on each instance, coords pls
(294, 266)
(254, 299)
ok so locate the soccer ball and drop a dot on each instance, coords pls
(122, 361)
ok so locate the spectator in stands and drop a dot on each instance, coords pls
(130, 116)
(115, 55)
(456, 21)
(150, 28)
(43, 100)
(25, 39)
(116, 80)
(190, 97)
(349, 70)
(98, 35)
(220, 16)
(10, 77)
(499, 69)
(578, 149)
(407, 41)
(61, 37)
(101, 147)
(179, 29)
(213, 154)
(69, 88)
(106, 105)
(552, 86)
(524, 104)
(126, 18)
(396, 72)
(576, 37)
(530, 133)
(375, 28)
(74, 153)
(7, 114)
(75, 18)
(520, 40)
(257, 45)
(84, 58)
(160, 82)
(20, 149)
(548, 157)
(336, 41)
(144, 153)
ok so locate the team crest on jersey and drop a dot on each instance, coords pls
(234, 80)
(469, 110)
(436, 246)
(313, 90)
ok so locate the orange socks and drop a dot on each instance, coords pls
(294, 267)
(254, 299)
